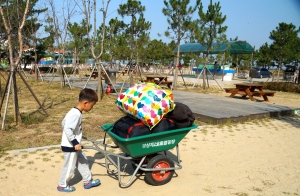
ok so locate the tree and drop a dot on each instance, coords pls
(180, 22)
(58, 26)
(138, 26)
(90, 7)
(285, 44)
(13, 12)
(114, 31)
(155, 50)
(209, 29)
(263, 55)
(78, 35)
(13, 15)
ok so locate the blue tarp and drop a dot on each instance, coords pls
(233, 47)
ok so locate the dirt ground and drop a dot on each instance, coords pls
(253, 158)
(261, 157)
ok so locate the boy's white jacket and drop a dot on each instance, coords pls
(72, 128)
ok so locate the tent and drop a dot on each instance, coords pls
(234, 47)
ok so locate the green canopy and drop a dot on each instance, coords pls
(234, 47)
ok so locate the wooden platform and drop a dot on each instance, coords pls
(219, 110)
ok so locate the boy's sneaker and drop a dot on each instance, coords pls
(91, 184)
(66, 189)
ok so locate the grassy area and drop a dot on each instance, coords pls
(36, 129)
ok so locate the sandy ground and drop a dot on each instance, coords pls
(261, 157)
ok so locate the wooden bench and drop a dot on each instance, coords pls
(94, 75)
(168, 83)
(125, 72)
(263, 94)
(229, 90)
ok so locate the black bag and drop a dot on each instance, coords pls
(182, 115)
(127, 127)
(164, 125)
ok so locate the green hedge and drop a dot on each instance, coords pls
(282, 86)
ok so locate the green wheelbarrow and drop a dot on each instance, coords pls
(147, 154)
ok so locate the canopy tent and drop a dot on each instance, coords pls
(234, 47)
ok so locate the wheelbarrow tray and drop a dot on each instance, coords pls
(148, 144)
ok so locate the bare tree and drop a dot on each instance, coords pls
(10, 24)
(60, 21)
(89, 8)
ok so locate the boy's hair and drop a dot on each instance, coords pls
(88, 94)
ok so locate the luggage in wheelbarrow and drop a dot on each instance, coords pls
(148, 144)
(128, 127)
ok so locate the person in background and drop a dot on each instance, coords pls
(179, 66)
(296, 75)
(215, 69)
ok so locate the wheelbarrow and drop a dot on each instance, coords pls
(147, 153)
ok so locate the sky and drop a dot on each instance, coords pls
(249, 20)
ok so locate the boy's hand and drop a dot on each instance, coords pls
(78, 147)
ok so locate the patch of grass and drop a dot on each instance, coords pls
(10, 165)
(24, 156)
(228, 123)
(225, 187)
(210, 122)
(209, 190)
(30, 162)
(46, 159)
(257, 189)
(240, 194)
(8, 158)
(220, 126)
(268, 183)
(44, 154)
(28, 119)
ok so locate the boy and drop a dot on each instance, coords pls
(70, 144)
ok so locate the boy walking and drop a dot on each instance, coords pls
(70, 144)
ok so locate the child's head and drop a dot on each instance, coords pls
(87, 99)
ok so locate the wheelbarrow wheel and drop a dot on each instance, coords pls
(158, 178)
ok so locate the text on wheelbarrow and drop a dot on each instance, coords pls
(158, 143)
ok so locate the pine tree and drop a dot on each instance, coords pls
(209, 29)
(179, 18)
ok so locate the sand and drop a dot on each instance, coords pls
(261, 157)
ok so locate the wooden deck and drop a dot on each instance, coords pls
(219, 110)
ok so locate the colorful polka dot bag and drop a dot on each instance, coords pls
(147, 102)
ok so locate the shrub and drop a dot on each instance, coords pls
(282, 86)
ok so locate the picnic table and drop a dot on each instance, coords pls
(94, 75)
(159, 80)
(250, 90)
